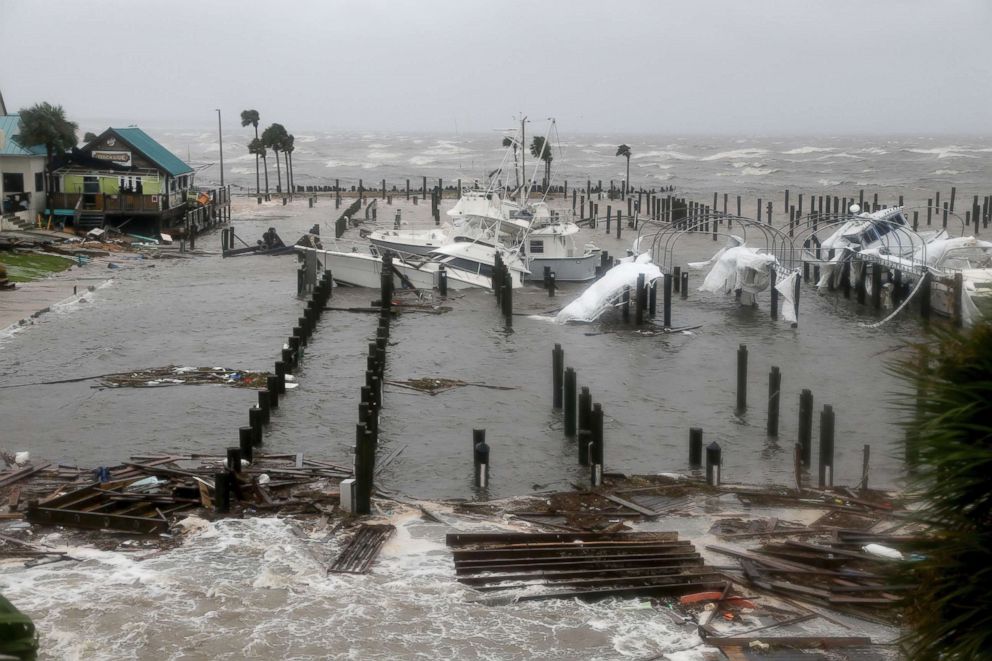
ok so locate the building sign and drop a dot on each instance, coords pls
(115, 157)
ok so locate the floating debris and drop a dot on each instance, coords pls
(434, 386)
(172, 375)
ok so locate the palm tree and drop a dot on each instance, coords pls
(45, 124)
(510, 142)
(89, 137)
(251, 117)
(273, 138)
(289, 147)
(948, 430)
(539, 148)
(624, 150)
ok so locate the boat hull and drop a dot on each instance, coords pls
(566, 269)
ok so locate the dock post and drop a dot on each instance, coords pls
(741, 379)
(957, 300)
(585, 425)
(677, 275)
(685, 285)
(280, 368)
(774, 390)
(695, 447)
(480, 457)
(625, 303)
(234, 459)
(806, 426)
(222, 493)
(552, 284)
(876, 286)
(865, 459)
(653, 298)
(639, 301)
(666, 301)
(557, 376)
(713, 463)
(774, 292)
(569, 406)
(826, 475)
(272, 387)
(255, 422)
(244, 442)
(596, 446)
(442, 280)
(861, 285)
(264, 403)
(362, 503)
(925, 292)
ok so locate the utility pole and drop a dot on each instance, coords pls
(220, 136)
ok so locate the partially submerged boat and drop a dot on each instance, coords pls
(467, 265)
(607, 292)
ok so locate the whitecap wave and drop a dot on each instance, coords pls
(750, 152)
(808, 150)
(663, 153)
(749, 172)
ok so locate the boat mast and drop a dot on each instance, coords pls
(523, 149)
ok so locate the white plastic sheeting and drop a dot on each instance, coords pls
(738, 267)
(602, 294)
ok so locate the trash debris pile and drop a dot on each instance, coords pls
(172, 375)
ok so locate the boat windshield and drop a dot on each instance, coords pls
(973, 257)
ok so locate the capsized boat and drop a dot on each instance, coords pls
(885, 229)
(468, 265)
(606, 292)
(944, 258)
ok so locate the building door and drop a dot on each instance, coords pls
(91, 190)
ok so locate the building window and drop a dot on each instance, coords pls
(13, 182)
(39, 182)
(536, 246)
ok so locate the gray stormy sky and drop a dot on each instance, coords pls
(676, 66)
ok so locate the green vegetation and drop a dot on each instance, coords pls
(45, 124)
(27, 266)
(539, 148)
(250, 117)
(949, 440)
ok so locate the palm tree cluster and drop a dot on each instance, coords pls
(45, 124)
(274, 138)
(950, 434)
(539, 148)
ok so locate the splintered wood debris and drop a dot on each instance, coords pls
(362, 549)
(435, 386)
(172, 375)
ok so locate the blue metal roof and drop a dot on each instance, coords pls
(155, 152)
(11, 147)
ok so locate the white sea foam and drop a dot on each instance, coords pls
(951, 151)
(874, 151)
(751, 152)
(749, 171)
(663, 153)
(252, 587)
(421, 160)
(809, 150)
(945, 173)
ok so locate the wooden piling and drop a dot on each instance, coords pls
(805, 433)
(695, 447)
(557, 376)
(714, 461)
(826, 470)
(774, 391)
(569, 411)
(741, 379)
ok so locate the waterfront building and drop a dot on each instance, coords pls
(22, 172)
(123, 176)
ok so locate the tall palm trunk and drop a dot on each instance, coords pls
(289, 187)
(626, 184)
(258, 187)
(265, 165)
(292, 179)
(278, 172)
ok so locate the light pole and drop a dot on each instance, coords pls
(220, 136)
